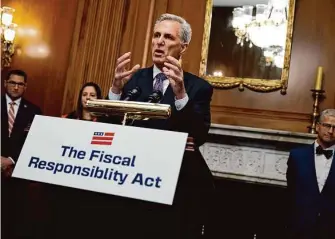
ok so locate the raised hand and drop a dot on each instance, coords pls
(172, 69)
(122, 75)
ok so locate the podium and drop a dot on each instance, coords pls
(128, 183)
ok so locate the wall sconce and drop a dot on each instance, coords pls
(8, 29)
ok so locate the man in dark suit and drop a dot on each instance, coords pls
(17, 115)
(189, 97)
(311, 184)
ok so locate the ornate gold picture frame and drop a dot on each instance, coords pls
(260, 85)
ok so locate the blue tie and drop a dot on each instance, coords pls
(160, 78)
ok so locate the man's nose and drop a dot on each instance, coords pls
(160, 41)
(16, 86)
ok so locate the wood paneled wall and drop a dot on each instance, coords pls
(43, 47)
(95, 47)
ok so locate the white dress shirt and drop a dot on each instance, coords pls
(322, 166)
(16, 106)
(180, 104)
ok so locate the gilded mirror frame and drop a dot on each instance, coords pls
(259, 85)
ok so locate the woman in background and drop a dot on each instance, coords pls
(75, 210)
(87, 92)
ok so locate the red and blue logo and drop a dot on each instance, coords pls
(102, 138)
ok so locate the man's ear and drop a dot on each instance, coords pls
(317, 127)
(183, 48)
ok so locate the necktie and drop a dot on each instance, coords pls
(327, 153)
(11, 117)
(160, 78)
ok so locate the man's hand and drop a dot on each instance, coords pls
(6, 166)
(122, 76)
(174, 72)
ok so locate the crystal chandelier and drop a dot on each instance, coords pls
(266, 29)
(274, 57)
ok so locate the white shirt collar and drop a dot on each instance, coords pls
(316, 145)
(156, 71)
(9, 100)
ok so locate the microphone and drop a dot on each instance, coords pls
(133, 94)
(155, 97)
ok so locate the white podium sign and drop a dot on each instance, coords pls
(120, 160)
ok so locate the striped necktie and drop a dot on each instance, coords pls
(11, 117)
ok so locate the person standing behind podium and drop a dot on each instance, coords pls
(189, 97)
(87, 92)
(17, 114)
(311, 184)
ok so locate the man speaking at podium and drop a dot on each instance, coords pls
(189, 97)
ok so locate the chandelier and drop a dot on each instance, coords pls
(8, 29)
(265, 29)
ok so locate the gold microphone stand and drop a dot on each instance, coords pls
(129, 109)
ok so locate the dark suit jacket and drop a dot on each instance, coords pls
(195, 188)
(312, 212)
(15, 192)
(11, 146)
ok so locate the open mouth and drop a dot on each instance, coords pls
(158, 52)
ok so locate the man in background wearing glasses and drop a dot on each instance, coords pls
(311, 184)
(17, 115)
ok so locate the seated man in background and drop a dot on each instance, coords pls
(17, 115)
(311, 184)
(189, 97)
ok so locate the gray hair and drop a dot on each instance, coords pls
(185, 27)
(326, 113)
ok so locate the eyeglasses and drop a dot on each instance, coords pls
(13, 84)
(328, 126)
